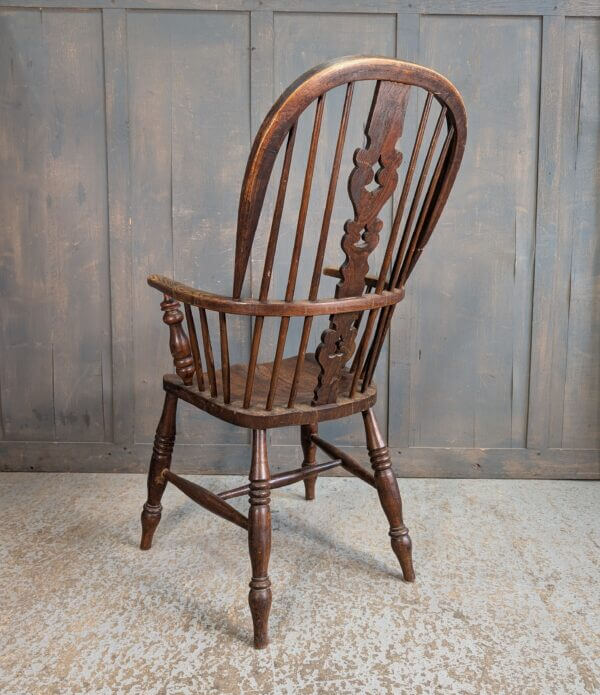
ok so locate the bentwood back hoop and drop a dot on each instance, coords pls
(337, 379)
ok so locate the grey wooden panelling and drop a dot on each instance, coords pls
(189, 118)
(470, 331)
(124, 132)
(56, 358)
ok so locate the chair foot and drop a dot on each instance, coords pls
(389, 495)
(259, 600)
(161, 460)
(309, 449)
(150, 519)
(259, 539)
(402, 546)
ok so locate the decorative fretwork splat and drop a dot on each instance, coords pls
(361, 234)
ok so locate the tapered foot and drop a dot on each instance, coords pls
(309, 449)
(259, 600)
(150, 519)
(161, 460)
(259, 539)
(402, 546)
(389, 495)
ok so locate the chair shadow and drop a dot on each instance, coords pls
(172, 519)
(211, 618)
(347, 553)
(214, 619)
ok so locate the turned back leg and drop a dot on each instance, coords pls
(309, 449)
(259, 539)
(389, 494)
(161, 459)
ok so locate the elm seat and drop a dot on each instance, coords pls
(302, 413)
(337, 379)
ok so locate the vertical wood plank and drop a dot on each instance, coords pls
(189, 144)
(473, 284)
(210, 135)
(26, 247)
(261, 67)
(77, 193)
(119, 221)
(398, 425)
(546, 239)
(150, 81)
(261, 100)
(575, 414)
(66, 228)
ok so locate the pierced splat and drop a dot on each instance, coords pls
(361, 234)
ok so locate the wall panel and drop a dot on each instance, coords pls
(471, 293)
(580, 223)
(189, 121)
(56, 358)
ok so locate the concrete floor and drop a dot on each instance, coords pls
(506, 598)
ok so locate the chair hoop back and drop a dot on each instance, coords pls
(377, 161)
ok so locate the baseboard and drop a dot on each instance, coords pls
(417, 462)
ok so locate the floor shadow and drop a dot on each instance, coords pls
(346, 553)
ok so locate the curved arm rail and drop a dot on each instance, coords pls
(256, 307)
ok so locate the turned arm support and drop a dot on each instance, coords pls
(256, 307)
(178, 340)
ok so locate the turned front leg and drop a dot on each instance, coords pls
(389, 494)
(309, 449)
(161, 459)
(259, 539)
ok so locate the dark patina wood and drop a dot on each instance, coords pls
(309, 449)
(389, 495)
(161, 460)
(259, 538)
(337, 379)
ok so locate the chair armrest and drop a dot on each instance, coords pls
(256, 307)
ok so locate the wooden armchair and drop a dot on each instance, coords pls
(310, 388)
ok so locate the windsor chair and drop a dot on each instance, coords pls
(306, 389)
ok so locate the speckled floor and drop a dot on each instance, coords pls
(506, 598)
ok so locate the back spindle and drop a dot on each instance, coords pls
(208, 353)
(297, 249)
(441, 191)
(322, 245)
(268, 265)
(225, 371)
(194, 346)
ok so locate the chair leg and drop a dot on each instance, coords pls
(309, 450)
(389, 495)
(259, 539)
(161, 459)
